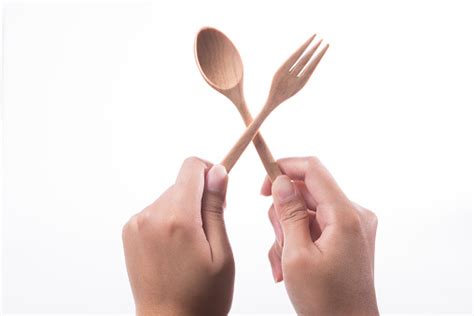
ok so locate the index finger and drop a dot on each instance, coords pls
(316, 177)
(189, 185)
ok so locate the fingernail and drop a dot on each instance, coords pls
(216, 178)
(283, 189)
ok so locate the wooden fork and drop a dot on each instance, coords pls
(287, 81)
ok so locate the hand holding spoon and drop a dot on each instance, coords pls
(221, 66)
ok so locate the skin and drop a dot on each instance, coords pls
(324, 248)
(179, 259)
(178, 256)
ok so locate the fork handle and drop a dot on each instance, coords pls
(271, 166)
(239, 147)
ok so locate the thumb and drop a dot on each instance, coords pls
(292, 212)
(212, 210)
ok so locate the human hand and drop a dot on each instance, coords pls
(178, 256)
(324, 248)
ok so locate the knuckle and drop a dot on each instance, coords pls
(270, 254)
(313, 161)
(369, 217)
(271, 213)
(151, 226)
(125, 231)
(129, 227)
(274, 252)
(274, 255)
(142, 220)
(372, 218)
(213, 216)
(193, 161)
(174, 226)
(213, 203)
(293, 211)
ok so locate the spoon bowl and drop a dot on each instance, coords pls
(218, 59)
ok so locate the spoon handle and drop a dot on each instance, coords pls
(271, 166)
(239, 147)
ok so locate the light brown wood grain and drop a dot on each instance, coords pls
(287, 81)
(221, 66)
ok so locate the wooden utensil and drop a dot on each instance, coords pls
(221, 66)
(287, 81)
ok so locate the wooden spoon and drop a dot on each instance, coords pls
(221, 66)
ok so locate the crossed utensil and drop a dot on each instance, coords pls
(221, 66)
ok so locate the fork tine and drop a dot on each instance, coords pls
(293, 58)
(312, 66)
(304, 60)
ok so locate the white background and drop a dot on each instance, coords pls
(102, 102)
